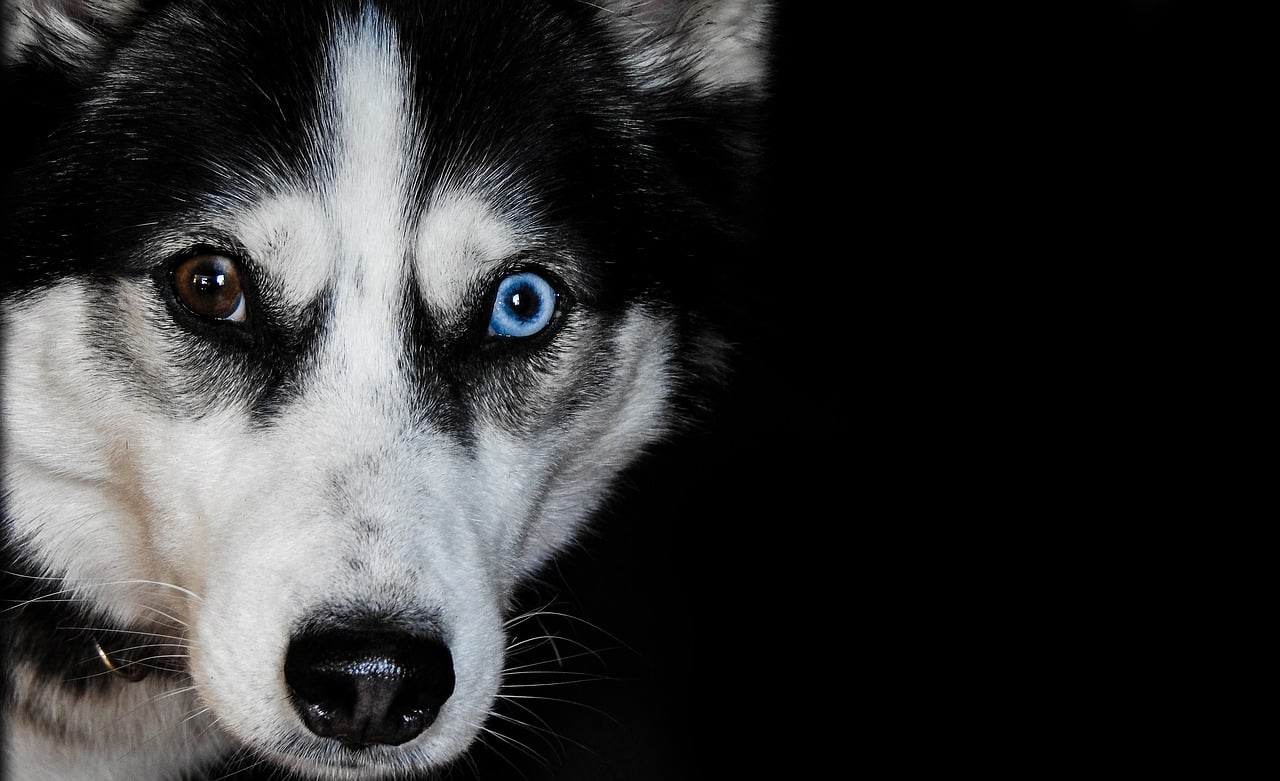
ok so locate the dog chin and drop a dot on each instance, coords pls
(368, 764)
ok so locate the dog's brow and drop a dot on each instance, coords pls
(458, 238)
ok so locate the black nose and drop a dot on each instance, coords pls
(368, 687)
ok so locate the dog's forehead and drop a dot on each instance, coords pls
(366, 134)
(362, 217)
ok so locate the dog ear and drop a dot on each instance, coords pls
(721, 44)
(62, 33)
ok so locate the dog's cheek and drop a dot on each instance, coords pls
(74, 451)
(604, 438)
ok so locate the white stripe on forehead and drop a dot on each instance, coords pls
(347, 228)
(353, 234)
(371, 131)
(366, 199)
(459, 238)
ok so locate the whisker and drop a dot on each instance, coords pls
(245, 768)
(542, 728)
(103, 630)
(627, 17)
(577, 678)
(150, 701)
(143, 662)
(160, 697)
(173, 693)
(589, 653)
(172, 618)
(45, 598)
(104, 584)
(212, 724)
(518, 745)
(140, 582)
(544, 731)
(154, 657)
(560, 700)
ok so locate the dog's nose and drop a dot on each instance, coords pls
(365, 688)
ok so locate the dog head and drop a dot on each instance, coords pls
(328, 323)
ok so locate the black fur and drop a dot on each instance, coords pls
(238, 92)
(647, 191)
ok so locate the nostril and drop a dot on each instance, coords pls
(368, 687)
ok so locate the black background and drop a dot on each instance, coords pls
(872, 555)
(695, 593)
(830, 570)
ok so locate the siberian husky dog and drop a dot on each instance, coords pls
(327, 323)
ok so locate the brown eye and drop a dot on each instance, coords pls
(209, 286)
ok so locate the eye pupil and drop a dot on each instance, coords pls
(519, 306)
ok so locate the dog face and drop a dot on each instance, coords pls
(332, 322)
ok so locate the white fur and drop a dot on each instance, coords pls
(144, 732)
(43, 25)
(459, 241)
(254, 526)
(722, 42)
(225, 533)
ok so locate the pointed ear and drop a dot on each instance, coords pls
(62, 33)
(721, 44)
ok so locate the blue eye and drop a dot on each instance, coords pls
(524, 306)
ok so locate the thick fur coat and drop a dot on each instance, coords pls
(327, 324)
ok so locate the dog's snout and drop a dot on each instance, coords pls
(365, 688)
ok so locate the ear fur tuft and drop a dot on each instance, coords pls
(723, 44)
(61, 33)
